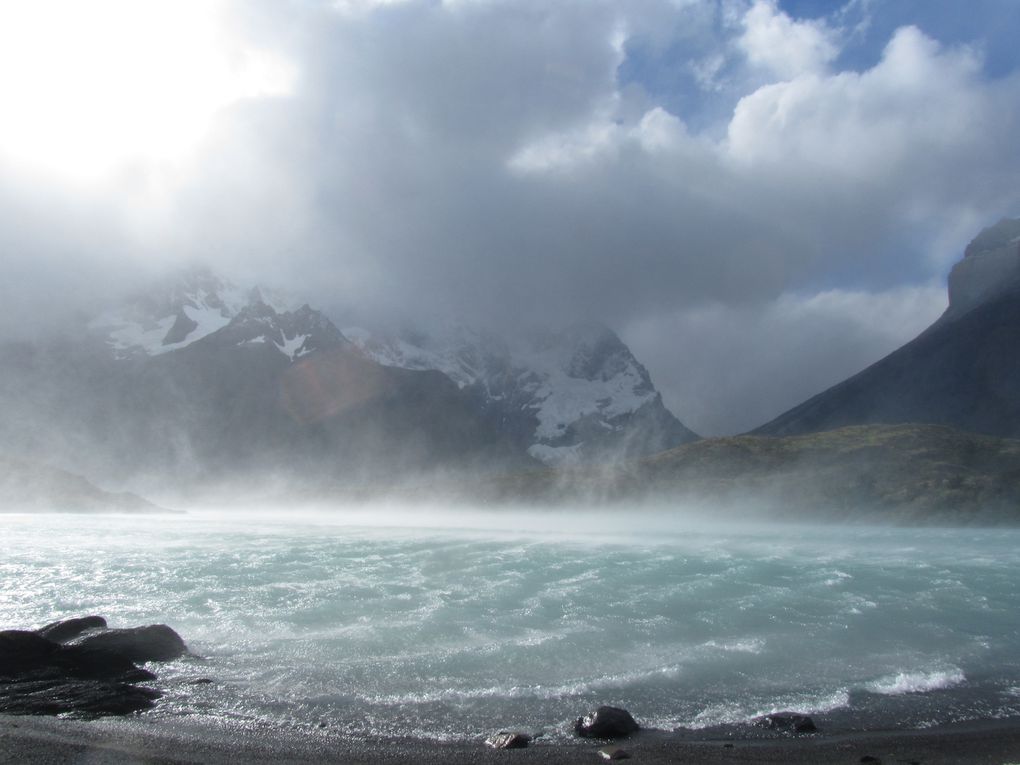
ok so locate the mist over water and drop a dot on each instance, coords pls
(385, 621)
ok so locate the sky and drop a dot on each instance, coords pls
(761, 197)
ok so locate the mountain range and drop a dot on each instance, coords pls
(200, 382)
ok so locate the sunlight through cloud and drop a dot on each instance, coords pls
(88, 88)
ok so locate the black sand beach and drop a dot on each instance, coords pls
(138, 740)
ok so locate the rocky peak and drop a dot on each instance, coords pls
(599, 354)
(177, 310)
(564, 396)
(1004, 235)
(292, 333)
(990, 266)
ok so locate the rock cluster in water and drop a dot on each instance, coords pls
(80, 666)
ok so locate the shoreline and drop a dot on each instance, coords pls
(27, 739)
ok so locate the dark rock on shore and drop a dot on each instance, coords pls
(156, 642)
(606, 722)
(41, 675)
(787, 722)
(68, 629)
(55, 695)
(508, 740)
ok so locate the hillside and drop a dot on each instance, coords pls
(28, 486)
(899, 473)
(963, 371)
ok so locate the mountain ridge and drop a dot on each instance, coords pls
(961, 371)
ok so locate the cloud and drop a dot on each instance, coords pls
(487, 158)
(784, 47)
(773, 356)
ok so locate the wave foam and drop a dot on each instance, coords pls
(732, 713)
(566, 690)
(917, 682)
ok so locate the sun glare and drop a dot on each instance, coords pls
(87, 87)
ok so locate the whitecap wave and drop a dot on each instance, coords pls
(917, 682)
(734, 713)
(745, 645)
(565, 690)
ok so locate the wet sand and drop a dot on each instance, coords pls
(141, 740)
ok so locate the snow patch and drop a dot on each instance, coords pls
(448, 356)
(293, 347)
(561, 399)
(205, 299)
(124, 336)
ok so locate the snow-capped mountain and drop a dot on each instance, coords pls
(201, 383)
(195, 383)
(566, 397)
(179, 310)
(563, 397)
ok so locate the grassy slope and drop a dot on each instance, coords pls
(897, 472)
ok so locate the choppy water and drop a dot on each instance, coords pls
(451, 632)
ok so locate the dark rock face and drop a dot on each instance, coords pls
(156, 642)
(39, 675)
(606, 722)
(508, 740)
(68, 629)
(787, 722)
(962, 371)
(54, 696)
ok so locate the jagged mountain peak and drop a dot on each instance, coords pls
(178, 309)
(566, 395)
(292, 333)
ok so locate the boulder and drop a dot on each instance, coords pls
(68, 629)
(25, 655)
(788, 722)
(606, 722)
(508, 740)
(23, 651)
(91, 675)
(156, 642)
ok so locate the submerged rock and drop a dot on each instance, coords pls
(787, 722)
(156, 642)
(606, 722)
(508, 740)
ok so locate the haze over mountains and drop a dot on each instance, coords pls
(198, 382)
(195, 385)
